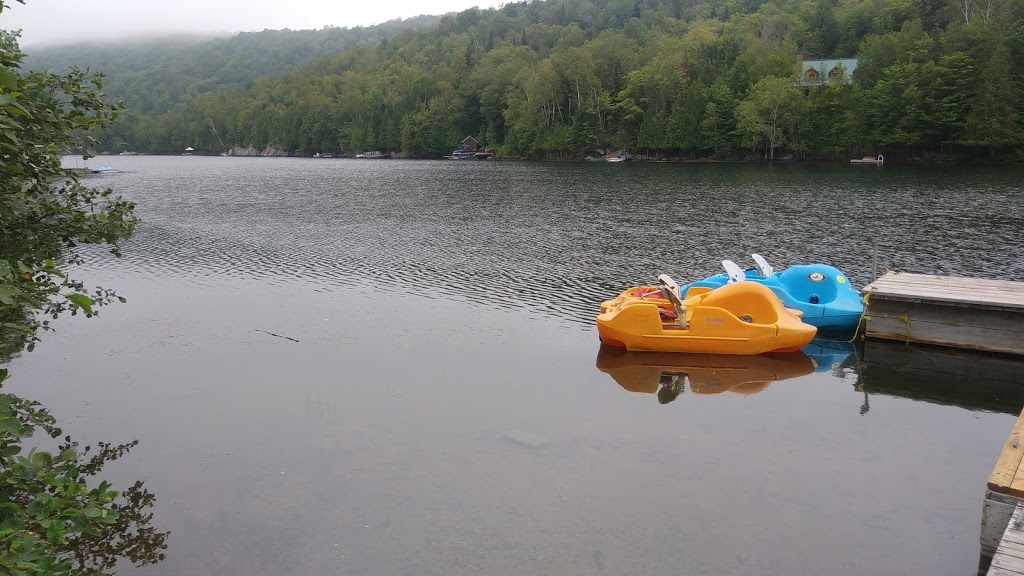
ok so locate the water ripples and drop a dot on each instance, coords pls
(552, 240)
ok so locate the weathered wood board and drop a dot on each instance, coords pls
(1004, 478)
(1004, 495)
(999, 294)
(1009, 557)
(996, 511)
(965, 313)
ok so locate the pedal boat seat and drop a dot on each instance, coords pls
(670, 289)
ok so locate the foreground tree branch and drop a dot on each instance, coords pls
(54, 519)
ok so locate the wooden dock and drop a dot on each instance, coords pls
(1009, 557)
(971, 313)
(1008, 476)
(1004, 494)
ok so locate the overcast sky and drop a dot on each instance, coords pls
(61, 21)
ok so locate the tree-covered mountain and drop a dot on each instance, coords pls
(154, 76)
(664, 78)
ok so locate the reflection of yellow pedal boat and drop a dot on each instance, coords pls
(706, 373)
(740, 318)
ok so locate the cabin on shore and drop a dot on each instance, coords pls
(469, 143)
(824, 72)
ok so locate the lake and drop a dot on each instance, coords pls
(391, 367)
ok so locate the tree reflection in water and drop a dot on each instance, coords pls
(132, 536)
(55, 518)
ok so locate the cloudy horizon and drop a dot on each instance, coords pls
(49, 22)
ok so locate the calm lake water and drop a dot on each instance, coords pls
(441, 404)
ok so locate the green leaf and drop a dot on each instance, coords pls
(8, 79)
(10, 105)
(93, 512)
(82, 301)
(17, 328)
(10, 426)
(32, 301)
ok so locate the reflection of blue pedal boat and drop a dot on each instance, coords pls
(830, 355)
(820, 291)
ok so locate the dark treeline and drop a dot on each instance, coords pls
(559, 79)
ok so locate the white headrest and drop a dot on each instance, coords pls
(733, 270)
(669, 284)
(763, 267)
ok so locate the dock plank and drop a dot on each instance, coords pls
(1010, 548)
(902, 283)
(1014, 534)
(1009, 557)
(1007, 466)
(1017, 484)
(1008, 565)
(950, 289)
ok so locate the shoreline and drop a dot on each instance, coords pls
(911, 161)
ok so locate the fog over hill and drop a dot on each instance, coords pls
(154, 75)
(54, 22)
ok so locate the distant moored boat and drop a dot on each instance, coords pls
(877, 161)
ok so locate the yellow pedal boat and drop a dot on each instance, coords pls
(739, 318)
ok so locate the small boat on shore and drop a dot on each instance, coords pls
(68, 171)
(738, 318)
(374, 155)
(469, 155)
(875, 161)
(469, 149)
(323, 155)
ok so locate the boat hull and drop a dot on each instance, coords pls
(713, 324)
(876, 161)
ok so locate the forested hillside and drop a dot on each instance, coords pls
(661, 78)
(155, 76)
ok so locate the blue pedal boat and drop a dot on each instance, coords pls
(820, 291)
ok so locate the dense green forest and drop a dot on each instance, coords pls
(155, 76)
(559, 79)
